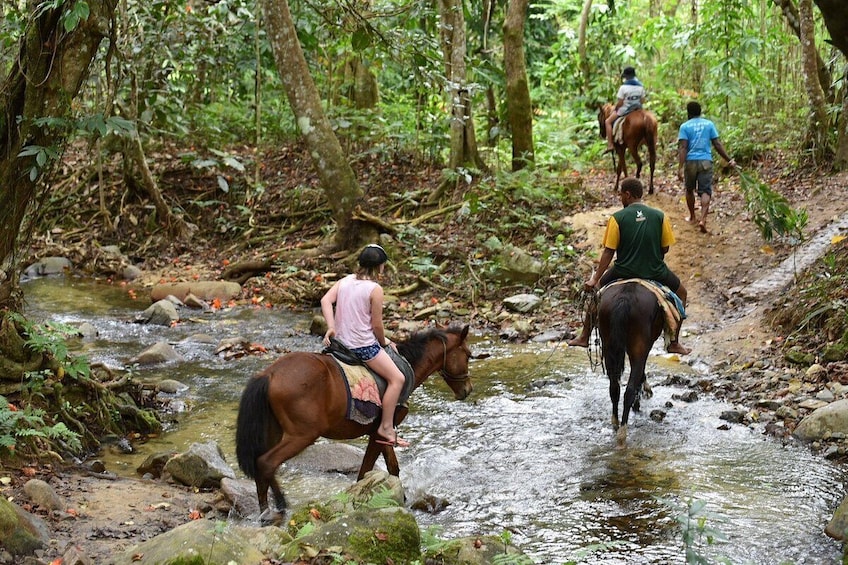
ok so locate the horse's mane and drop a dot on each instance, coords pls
(413, 348)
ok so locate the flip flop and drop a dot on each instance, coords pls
(398, 442)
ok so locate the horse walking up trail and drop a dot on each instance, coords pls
(630, 319)
(639, 128)
(302, 396)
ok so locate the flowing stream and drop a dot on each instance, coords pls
(531, 454)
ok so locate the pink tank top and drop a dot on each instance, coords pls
(353, 312)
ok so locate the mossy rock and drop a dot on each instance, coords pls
(366, 535)
(837, 351)
(799, 356)
(18, 536)
(481, 550)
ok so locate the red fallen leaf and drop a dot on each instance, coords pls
(12, 408)
(315, 513)
(216, 304)
(478, 543)
(28, 471)
(195, 515)
(137, 556)
(382, 536)
(57, 561)
(72, 512)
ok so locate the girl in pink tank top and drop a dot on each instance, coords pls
(357, 322)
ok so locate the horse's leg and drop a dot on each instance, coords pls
(621, 167)
(638, 356)
(267, 465)
(634, 151)
(615, 393)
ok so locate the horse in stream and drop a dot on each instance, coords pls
(303, 396)
(630, 319)
(637, 128)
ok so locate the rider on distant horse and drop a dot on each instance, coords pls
(638, 237)
(631, 96)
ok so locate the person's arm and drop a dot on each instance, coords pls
(603, 264)
(327, 302)
(721, 151)
(377, 316)
(682, 150)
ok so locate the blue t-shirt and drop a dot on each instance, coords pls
(699, 133)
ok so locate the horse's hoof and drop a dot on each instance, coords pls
(270, 517)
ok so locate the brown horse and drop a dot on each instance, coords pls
(639, 127)
(629, 321)
(302, 396)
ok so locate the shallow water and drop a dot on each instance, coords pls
(531, 452)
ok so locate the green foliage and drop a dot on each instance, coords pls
(22, 424)
(770, 210)
(693, 519)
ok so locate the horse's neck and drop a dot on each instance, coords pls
(431, 362)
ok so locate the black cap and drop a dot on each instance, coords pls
(372, 256)
(628, 72)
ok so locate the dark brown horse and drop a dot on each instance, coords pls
(639, 128)
(629, 321)
(302, 396)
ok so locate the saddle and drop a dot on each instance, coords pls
(365, 388)
(673, 311)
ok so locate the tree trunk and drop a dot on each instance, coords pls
(819, 124)
(585, 68)
(790, 13)
(519, 107)
(337, 177)
(49, 71)
(463, 149)
(835, 15)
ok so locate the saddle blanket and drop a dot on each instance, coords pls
(365, 388)
(673, 311)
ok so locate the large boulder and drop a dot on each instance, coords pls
(202, 541)
(204, 290)
(824, 422)
(21, 533)
(203, 466)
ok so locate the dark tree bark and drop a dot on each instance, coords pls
(519, 107)
(49, 72)
(819, 124)
(790, 13)
(835, 14)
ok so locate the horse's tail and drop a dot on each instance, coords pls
(616, 346)
(252, 424)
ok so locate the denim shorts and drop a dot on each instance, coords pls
(366, 353)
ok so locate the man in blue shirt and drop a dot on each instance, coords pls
(695, 140)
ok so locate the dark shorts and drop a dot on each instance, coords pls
(670, 280)
(698, 174)
(366, 353)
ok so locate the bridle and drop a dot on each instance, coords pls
(445, 375)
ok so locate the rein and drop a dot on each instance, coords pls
(445, 375)
(590, 306)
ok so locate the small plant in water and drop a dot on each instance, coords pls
(697, 533)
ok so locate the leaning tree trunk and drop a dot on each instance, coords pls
(819, 124)
(519, 108)
(337, 177)
(49, 71)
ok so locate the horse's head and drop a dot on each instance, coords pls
(455, 367)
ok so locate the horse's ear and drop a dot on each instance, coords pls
(464, 333)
